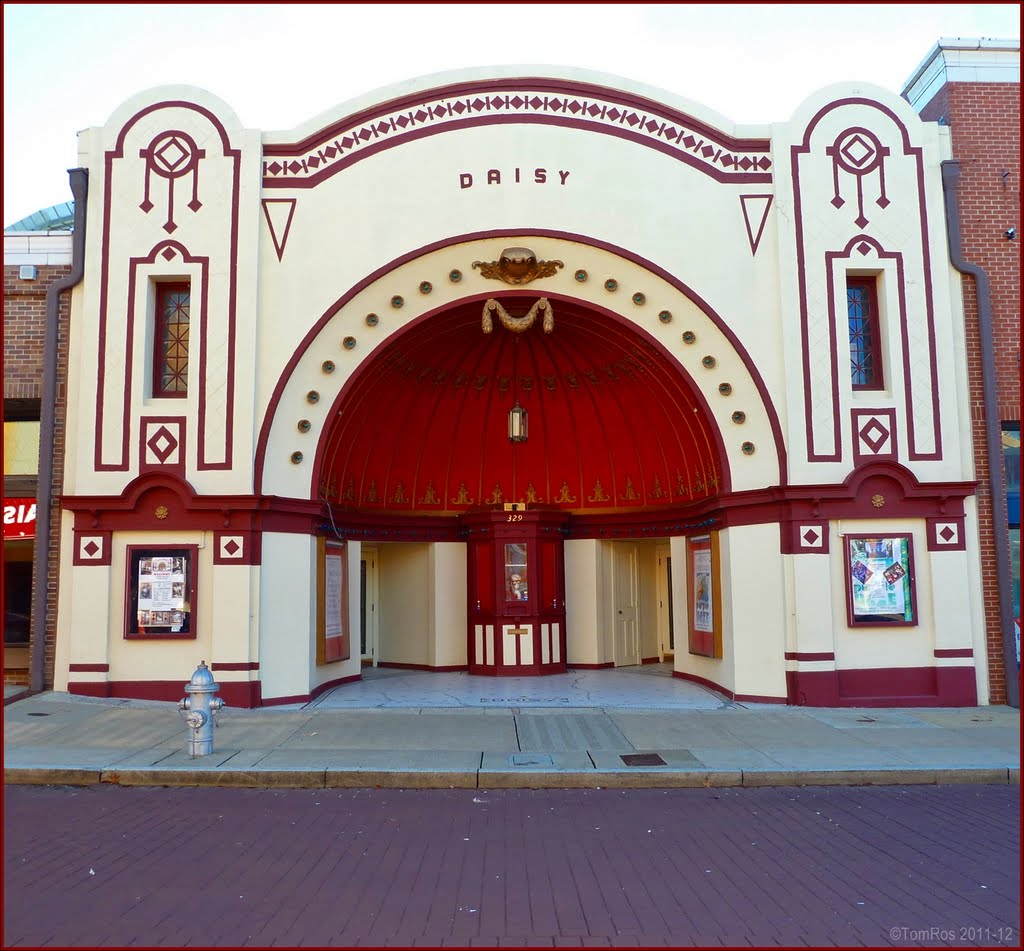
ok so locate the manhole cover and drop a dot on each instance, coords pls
(38, 714)
(642, 759)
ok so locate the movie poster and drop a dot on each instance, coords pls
(162, 599)
(702, 619)
(880, 580)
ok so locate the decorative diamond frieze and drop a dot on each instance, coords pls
(707, 150)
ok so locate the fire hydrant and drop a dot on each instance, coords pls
(198, 711)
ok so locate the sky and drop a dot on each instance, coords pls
(69, 66)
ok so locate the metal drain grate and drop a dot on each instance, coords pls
(642, 759)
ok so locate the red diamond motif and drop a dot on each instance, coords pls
(313, 161)
(858, 152)
(536, 102)
(162, 444)
(811, 536)
(614, 114)
(947, 534)
(168, 254)
(707, 151)
(594, 110)
(477, 104)
(518, 103)
(874, 435)
(294, 167)
(274, 168)
(384, 128)
(555, 103)
(91, 549)
(330, 151)
(232, 547)
(574, 107)
(172, 154)
(347, 142)
(364, 134)
(670, 132)
(863, 247)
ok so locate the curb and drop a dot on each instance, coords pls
(504, 779)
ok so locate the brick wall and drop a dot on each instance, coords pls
(25, 330)
(24, 340)
(984, 119)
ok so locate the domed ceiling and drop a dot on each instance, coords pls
(613, 425)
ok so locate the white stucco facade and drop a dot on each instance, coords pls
(724, 250)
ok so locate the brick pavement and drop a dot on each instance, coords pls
(113, 866)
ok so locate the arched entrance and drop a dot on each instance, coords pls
(612, 431)
(389, 428)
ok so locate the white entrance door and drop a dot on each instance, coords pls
(368, 605)
(627, 629)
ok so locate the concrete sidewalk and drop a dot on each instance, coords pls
(53, 738)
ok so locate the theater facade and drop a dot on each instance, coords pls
(513, 373)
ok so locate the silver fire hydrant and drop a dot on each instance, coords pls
(199, 709)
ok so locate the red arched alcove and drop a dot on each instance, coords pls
(614, 424)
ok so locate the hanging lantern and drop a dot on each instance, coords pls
(517, 425)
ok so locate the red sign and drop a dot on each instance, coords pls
(19, 518)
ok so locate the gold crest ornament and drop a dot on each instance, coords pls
(517, 266)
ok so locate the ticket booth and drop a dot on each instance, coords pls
(516, 591)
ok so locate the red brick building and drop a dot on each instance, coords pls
(37, 253)
(973, 88)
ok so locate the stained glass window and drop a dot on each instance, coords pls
(172, 320)
(862, 317)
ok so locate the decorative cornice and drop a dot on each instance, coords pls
(543, 102)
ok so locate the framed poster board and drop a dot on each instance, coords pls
(880, 580)
(703, 596)
(333, 638)
(160, 592)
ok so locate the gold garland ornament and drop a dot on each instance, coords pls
(518, 324)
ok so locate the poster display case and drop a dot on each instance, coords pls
(880, 580)
(704, 611)
(161, 592)
(333, 637)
